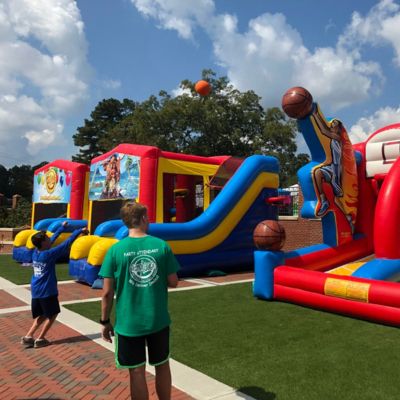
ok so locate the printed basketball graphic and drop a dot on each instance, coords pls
(297, 102)
(269, 235)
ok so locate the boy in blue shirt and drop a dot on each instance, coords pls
(45, 305)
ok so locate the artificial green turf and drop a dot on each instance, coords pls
(273, 350)
(14, 272)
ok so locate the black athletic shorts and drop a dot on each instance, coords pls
(46, 307)
(130, 351)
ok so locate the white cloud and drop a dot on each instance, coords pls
(44, 74)
(330, 25)
(112, 84)
(365, 126)
(179, 91)
(33, 130)
(178, 15)
(381, 26)
(270, 56)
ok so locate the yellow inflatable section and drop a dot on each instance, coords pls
(22, 237)
(99, 250)
(93, 248)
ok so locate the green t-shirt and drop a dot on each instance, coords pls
(140, 267)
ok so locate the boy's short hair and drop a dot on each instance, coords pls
(132, 214)
(38, 238)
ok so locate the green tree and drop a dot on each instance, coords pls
(21, 181)
(143, 126)
(20, 216)
(278, 139)
(224, 122)
(104, 117)
(4, 177)
(227, 121)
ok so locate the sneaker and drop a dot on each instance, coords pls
(41, 343)
(323, 209)
(27, 341)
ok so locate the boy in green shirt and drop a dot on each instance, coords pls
(139, 269)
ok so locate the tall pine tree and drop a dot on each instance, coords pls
(104, 117)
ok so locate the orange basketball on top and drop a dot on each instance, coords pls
(269, 235)
(297, 102)
(203, 88)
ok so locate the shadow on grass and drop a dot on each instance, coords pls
(257, 392)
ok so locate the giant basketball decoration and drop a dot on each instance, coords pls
(297, 102)
(269, 235)
(203, 88)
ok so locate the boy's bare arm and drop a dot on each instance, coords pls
(106, 306)
(326, 129)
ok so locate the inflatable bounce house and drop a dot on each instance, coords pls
(355, 190)
(59, 194)
(205, 207)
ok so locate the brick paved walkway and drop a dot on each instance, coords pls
(74, 366)
(7, 301)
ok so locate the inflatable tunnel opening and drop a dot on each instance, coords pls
(104, 211)
(49, 210)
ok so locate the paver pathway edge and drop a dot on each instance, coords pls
(192, 382)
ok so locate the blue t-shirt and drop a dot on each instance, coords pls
(44, 280)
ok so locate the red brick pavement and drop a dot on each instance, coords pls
(77, 291)
(7, 301)
(73, 367)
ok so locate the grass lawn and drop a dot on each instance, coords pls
(14, 272)
(273, 350)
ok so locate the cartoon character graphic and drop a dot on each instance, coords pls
(331, 171)
(111, 189)
(51, 179)
(335, 178)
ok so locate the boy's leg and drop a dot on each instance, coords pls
(138, 383)
(36, 323)
(47, 325)
(130, 353)
(163, 381)
(158, 348)
(38, 319)
(51, 309)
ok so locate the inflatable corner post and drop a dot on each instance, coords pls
(355, 191)
(59, 194)
(205, 207)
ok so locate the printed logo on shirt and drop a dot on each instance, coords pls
(143, 270)
(38, 268)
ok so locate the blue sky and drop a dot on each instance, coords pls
(59, 58)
